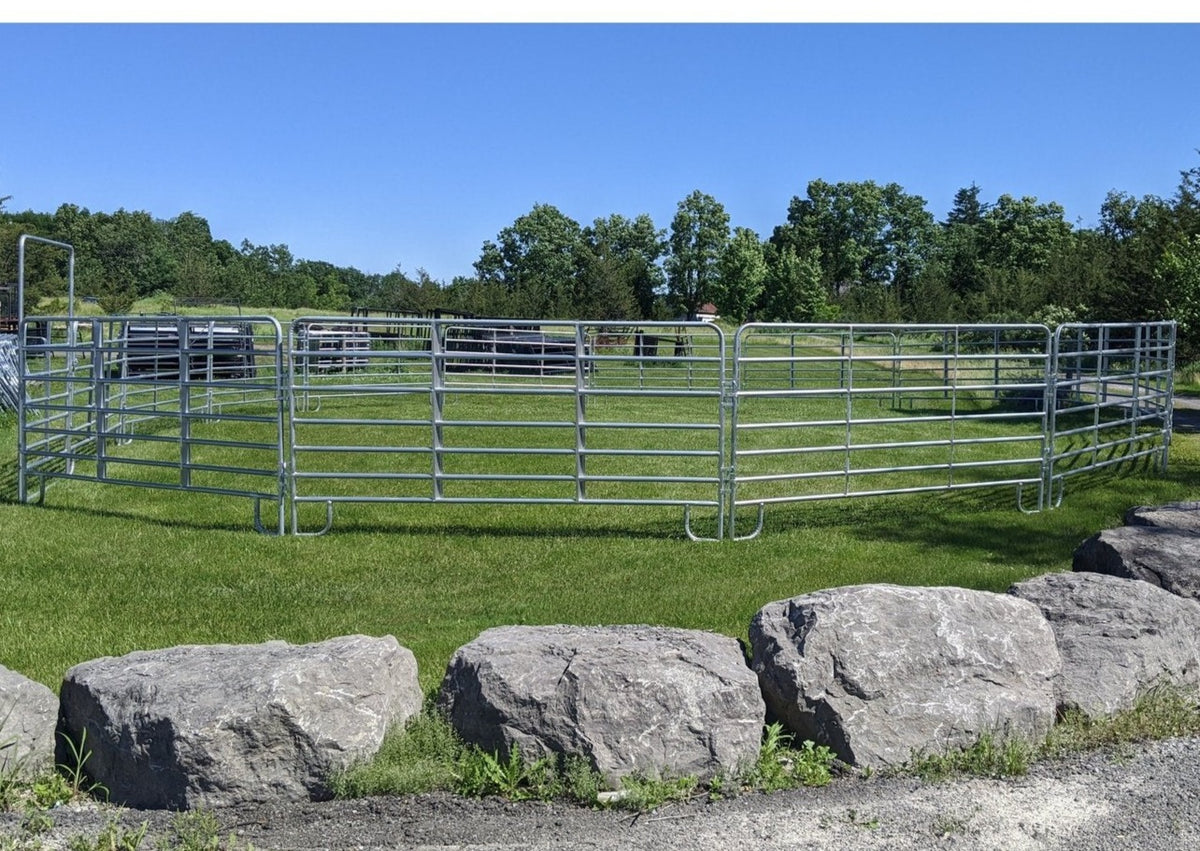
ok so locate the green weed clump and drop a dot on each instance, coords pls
(782, 766)
(112, 837)
(420, 757)
(198, 830)
(426, 755)
(989, 757)
(1162, 713)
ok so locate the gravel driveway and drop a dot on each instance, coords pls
(1146, 798)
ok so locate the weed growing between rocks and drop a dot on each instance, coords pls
(10, 777)
(988, 757)
(1162, 713)
(781, 766)
(427, 755)
(75, 769)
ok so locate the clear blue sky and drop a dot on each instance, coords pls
(382, 145)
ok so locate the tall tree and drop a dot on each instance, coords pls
(699, 233)
(634, 246)
(191, 245)
(1178, 276)
(1020, 233)
(604, 284)
(742, 272)
(535, 259)
(868, 235)
(967, 208)
(794, 291)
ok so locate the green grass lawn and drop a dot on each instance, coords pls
(105, 570)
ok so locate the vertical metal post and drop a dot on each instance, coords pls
(945, 363)
(848, 359)
(639, 352)
(842, 362)
(1052, 347)
(1169, 416)
(996, 363)
(295, 332)
(727, 448)
(1102, 364)
(100, 400)
(953, 407)
(1135, 402)
(437, 390)
(791, 363)
(22, 368)
(185, 406)
(897, 350)
(580, 414)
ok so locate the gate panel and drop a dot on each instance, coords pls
(488, 411)
(828, 411)
(180, 403)
(1114, 396)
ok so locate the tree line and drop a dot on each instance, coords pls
(848, 251)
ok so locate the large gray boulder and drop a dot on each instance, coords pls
(1118, 638)
(28, 711)
(880, 672)
(1173, 515)
(626, 698)
(1160, 555)
(217, 725)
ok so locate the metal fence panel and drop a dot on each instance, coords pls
(396, 410)
(178, 403)
(512, 411)
(1114, 390)
(827, 411)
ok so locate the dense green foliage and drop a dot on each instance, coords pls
(858, 251)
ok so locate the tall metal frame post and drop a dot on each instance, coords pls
(22, 495)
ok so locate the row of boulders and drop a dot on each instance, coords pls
(876, 672)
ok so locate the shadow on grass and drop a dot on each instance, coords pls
(590, 526)
(1186, 421)
(162, 522)
(495, 528)
(986, 523)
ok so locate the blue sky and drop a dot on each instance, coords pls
(382, 145)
